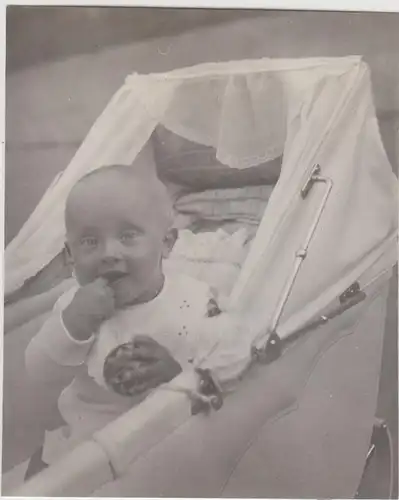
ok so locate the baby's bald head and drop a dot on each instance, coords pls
(121, 185)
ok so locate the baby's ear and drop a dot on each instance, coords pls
(169, 242)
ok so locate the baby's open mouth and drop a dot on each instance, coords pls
(114, 276)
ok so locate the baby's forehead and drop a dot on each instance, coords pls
(114, 181)
(116, 186)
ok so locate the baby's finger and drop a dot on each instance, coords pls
(156, 373)
(155, 350)
(130, 387)
(144, 353)
(144, 340)
(128, 382)
(100, 282)
(149, 374)
(140, 388)
(106, 305)
(108, 308)
(102, 285)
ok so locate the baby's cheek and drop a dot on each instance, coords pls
(85, 272)
(144, 257)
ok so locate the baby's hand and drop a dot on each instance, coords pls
(162, 366)
(139, 366)
(92, 304)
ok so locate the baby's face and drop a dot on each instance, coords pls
(115, 231)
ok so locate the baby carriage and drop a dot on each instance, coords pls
(290, 151)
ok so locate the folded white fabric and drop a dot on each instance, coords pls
(213, 257)
(241, 204)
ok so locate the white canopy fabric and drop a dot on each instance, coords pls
(311, 110)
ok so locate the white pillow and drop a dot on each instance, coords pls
(213, 257)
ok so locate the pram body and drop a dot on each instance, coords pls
(330, 222)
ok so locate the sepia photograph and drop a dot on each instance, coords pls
(200, 262)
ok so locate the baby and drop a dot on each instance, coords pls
(118, 231)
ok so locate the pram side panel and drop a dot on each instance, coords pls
(318, 450)
(303, 441)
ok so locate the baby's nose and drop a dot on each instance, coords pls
(112, 249)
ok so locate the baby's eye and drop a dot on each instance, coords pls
(89, 242)
(128, 236)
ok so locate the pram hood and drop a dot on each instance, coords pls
(313, 111)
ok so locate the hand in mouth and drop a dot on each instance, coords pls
(113, 276)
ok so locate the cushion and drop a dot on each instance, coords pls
(230, 209)
(213, 257)
(195, 166)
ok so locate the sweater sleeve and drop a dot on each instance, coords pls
(53, 347)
